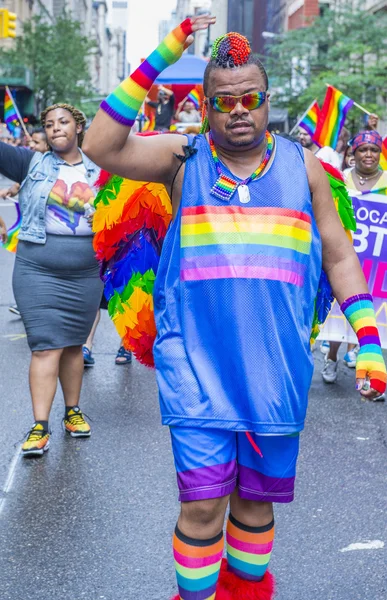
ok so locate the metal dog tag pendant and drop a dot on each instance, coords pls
(244, 194)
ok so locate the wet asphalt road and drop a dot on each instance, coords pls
(93, 518)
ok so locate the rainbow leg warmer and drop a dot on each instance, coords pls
(244, 575)
(125, 102)
(249, 549)
(360, 313)
(197, 565)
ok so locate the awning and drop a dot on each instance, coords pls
(188, 70)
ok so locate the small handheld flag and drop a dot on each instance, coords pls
(149, 124)
(309, 120)
(332, 117)
(10, 113)
(194, 97)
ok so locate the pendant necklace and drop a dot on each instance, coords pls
(363, 180)
(224, 187)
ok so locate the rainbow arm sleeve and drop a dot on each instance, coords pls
(360, 313)
(125, 102)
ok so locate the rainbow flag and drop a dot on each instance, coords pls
(382, 191)
(11, 243)
(310, 118)
(194, 97)
(383, 155)
(228, 242)
(332, 117)
(10, 113)
(149, 125)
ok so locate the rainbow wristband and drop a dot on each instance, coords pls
(125, 102)
(360, 313)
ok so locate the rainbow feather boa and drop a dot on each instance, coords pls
(130, 224)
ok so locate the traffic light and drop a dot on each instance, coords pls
(7, 23)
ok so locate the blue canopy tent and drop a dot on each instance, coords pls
(189, 70)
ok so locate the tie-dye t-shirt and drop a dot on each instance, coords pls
(66, 201)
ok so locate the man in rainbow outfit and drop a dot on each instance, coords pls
(234, 300)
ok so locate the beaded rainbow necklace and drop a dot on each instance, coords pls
(224, 187)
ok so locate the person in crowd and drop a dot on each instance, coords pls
(187, 112)
(342, 142)
(123, 357)
(164, 106)
(364, 175)
(329, 155)
(56, 280)
(37, 143)
(348, 159)
(234, 307)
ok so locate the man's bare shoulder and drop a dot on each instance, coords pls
(314, 169)
(162, 141)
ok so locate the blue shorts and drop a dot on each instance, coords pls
(211, 463)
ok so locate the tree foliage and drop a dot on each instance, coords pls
(58, 54)
(344, 47)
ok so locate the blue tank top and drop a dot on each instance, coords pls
(234, 299)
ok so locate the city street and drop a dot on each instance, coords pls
(92, 519)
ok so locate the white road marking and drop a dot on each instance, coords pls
(362, 439)
(369, 545)
(10, 477)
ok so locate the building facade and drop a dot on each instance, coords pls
(103, 21)
(118, 15)
(255, 18)
(189, 8)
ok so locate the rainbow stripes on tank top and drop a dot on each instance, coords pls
(223, 242)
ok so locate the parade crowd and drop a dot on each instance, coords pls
(233, 380)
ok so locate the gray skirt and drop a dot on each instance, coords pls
(57, 290)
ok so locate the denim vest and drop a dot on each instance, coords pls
(35, 189)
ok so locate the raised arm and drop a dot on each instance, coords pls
(180, 108)
(107, 141)
(341, 264)
(167, 91)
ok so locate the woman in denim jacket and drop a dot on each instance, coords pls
(56, 276)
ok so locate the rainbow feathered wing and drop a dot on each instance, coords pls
(130, 224)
